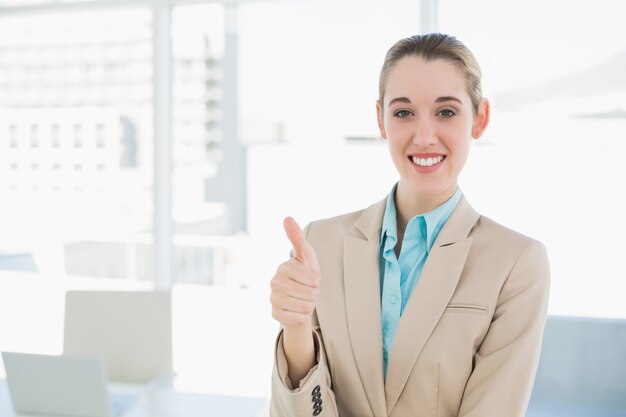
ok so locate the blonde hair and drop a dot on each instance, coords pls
(430, 47)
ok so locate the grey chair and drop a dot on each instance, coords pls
(130, 330)
(582, 369)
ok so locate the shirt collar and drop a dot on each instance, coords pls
(389, 232)
(424, 226)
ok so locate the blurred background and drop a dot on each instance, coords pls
(159, 144)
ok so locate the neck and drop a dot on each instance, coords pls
(410, 204)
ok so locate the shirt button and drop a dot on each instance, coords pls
(393, 299)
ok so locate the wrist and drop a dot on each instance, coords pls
(301, 328)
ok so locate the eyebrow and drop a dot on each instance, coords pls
(399, 100)
(448, 98)
(438, 100)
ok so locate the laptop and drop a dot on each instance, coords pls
(64, 385)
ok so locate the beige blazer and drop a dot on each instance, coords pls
(467, 343)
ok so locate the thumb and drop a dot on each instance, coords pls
(303, 251)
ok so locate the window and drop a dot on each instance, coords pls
(76, 89)
(198, 183)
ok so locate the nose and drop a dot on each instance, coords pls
(425, 133)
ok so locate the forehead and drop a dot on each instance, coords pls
(417, 79)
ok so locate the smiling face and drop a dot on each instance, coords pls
(427, 118)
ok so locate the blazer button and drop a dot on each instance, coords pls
(318, 404)
(316, 390)
(316, 397)
(317, 411)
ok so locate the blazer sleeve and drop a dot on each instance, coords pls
(313, 396)
(506, 362)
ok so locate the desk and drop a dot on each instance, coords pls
(166, 402)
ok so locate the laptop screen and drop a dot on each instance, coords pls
(45, 384)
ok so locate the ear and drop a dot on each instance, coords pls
(481, 120)
(381, 123)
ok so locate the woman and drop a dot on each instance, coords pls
(416, 305)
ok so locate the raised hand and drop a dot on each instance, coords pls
(295, 286)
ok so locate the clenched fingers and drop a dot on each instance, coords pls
(297, 271)
(295, 305)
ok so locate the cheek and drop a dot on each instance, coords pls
(461, 153)
(400, 132)
(457, 137)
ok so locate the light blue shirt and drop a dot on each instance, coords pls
(398, 277)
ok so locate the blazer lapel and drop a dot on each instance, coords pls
(362, 291)
(430, 297)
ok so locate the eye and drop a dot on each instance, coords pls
(401, 114)
(446, 113)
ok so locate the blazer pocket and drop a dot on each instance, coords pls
(466, 308)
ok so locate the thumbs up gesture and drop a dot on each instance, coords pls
(295, 286)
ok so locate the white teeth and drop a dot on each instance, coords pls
(427, 162)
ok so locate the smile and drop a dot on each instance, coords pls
(427, 162)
